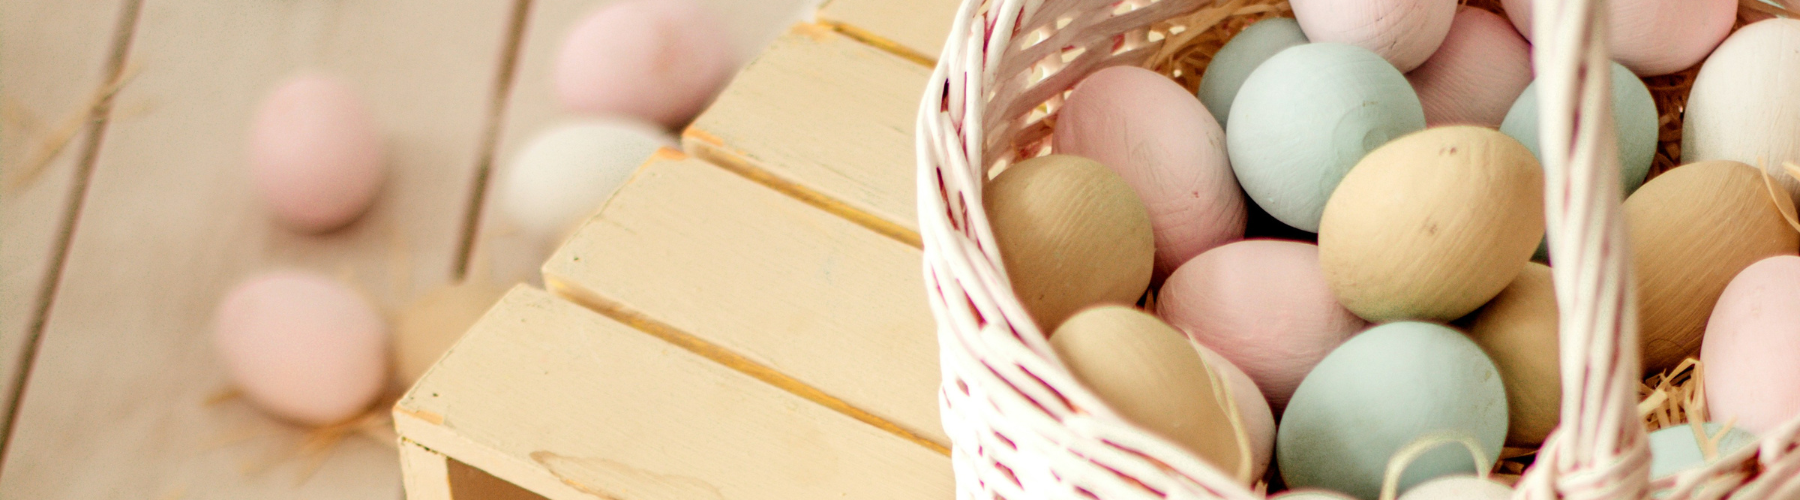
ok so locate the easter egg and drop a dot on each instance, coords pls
(1693, 229)
(566, 172)
(1309, 495)
(1382, 390)
(1252, 410)
(427, 327)
(316, 154)
(1744, 105)
(1262, 304)
(1306, 116)
(1148, 373)
(1166, 146)
(302, 347)
(1432, 225)
(1404, 32)
(656, 60)
(1676, 448)
(1634, 117)
(1458, 488)
(1518, 331)
(1071, 234)
(1232, 64)
(1653, 37)
(1752, 345)
(1477, 73)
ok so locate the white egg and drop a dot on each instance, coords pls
(1745, 104)
(567, 172)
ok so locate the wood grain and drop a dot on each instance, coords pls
(427, 473)
(614, 413)
(915, 29)
(117, 404)
(826, 119)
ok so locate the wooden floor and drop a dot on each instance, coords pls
(127, 214)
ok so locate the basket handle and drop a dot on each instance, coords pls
(1390, 484)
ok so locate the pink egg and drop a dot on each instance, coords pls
(1262, 304)
(1253, 410)
(1405, 32)
(657, 60)
(1751, 350)
(1168, 147)
(316, 154)
(1476, 74)
(302, 347)
(1654, 37)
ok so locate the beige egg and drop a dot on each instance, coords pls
(1692, 230)
(1432, 225)
(428, 326)
(1071, 234)
(1518, 331)
(1149, 374)
(1253, 411)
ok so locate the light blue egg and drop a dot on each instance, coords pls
(1232, 64)
(1306, 116)
(1378, 392)
(1634, 115)
(1674, 449)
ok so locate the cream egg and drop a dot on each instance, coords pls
(1404, 32)
(1253, 410)
(1752, 347)
(657, 60)
(1476, 74)
(566, 172)
(302, 347)
(1744, 105)
(316, 154)
(1653, 37)
(1518, 330)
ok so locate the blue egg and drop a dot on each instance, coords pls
(1634, 116)
(1675, 449)
(1232, 64)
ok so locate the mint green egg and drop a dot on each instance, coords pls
(1306, 116)
(1382, 390)
(1232, 64)
(1634, 116)
(1675, 449)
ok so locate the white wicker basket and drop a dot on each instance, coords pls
(1022, 427)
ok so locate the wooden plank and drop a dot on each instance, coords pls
(827, 120)
(426, 473)
(55, 58)
(118, 395)
(766, 284)
(571, 405)
(914, 29)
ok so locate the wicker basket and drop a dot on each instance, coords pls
(1022, 427)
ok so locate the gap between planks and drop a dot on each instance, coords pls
(490, 137)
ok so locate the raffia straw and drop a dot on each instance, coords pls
(1673, 397)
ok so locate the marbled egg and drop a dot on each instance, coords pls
(1071, 234)
(1458, 488)
(1477, 73)
(1381, 391)
(1404, 32)
(1252, 408)
(1165, 145)
(1306, 116)
(1693, 229)
(1262, 304)
(1752, 347)
(1232, 64)
(1634, 117)
(1745, 104)
(302, 346)
(656, 60)
(1653, 37)
(1518, 331)
(566, 172)
(316, 154)
(1674, 449)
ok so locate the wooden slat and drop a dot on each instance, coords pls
(54, 60)
(427, 473)
(117, 402)
(914, 29)
(690, 251)
(826, 119)
(571, 405)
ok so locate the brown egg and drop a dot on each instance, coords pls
(1518, 331)
(430, 325)
(1146, 371)
(1432, 225)
(1692, 229)
(1071, 233)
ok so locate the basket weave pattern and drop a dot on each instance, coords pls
(1023, 427)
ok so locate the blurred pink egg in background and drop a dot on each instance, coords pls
(302, 347)
(1751, 351)
(1476, 74)
(316, 154)
(656, 60)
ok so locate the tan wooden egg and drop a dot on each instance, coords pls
(1692, 230)
(1432, 225)
(1518, 331)
(1149, 373)
(1072, 234)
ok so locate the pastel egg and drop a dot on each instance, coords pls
(1432, 225)
(1166, 146)
(1653, 37)
(1518, 331)
(1309, 495)
(1252, 408)
(1676, 448)
(1458, 488)
(1744, 106)
(1692, 229)
(1262, 304)
(1149, 374)
(566, 172)
(656, 60)
(1071, 234)
(426, 328)
(1397, 383)
(1232, 64)
(302, 347)
(1751, 346)
(1403, 32)
(316, 154)
(1634, 117)
(1476, 74)
(1306, 116)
